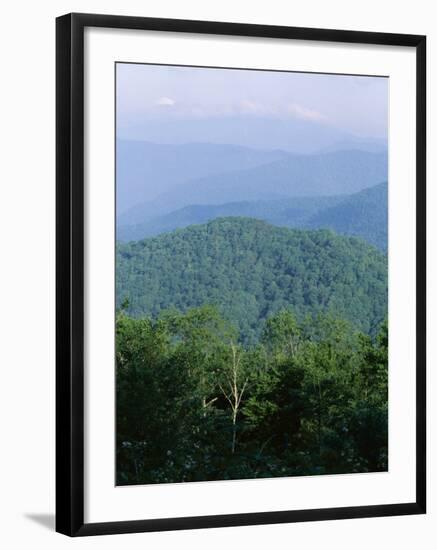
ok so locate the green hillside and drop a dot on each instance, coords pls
(251, 270)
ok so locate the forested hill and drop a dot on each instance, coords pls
(252, 270)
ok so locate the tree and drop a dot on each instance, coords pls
(233, 382)
(282, 334)
(194, 404)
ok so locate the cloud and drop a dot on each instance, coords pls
(248, 106)
(299, 111)
(245, 107)
(294, 110)
(165, 101)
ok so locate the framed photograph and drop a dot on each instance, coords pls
(240, 274)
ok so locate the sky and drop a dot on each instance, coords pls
(170, 104)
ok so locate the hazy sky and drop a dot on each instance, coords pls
(184, 98)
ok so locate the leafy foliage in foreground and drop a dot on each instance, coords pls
(193, 404)
(252, 270)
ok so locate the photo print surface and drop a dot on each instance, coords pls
(251, 274)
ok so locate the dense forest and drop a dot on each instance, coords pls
(245, 350)
(251, 270)
(194, 404)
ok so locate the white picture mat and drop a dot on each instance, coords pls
(104, 501)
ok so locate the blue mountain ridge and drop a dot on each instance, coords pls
(363, 214)
(325, 174)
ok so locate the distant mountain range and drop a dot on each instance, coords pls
(325, 174)
(146, 170)
(362, 214)
(262, 133)
(291, 212)
(361, 144)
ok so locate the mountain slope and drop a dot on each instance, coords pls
(294, 212)
(327, 174)
(364, 214)
(374, 145)
(145, 170)
(290, 134)
(251, 270)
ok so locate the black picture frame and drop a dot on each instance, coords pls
(70, 273)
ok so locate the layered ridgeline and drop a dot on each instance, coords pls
(318, 175)
(362, 214)
(251, 270)
(289, 212)
(146, 170)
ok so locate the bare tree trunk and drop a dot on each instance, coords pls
(235, 394)
(234, 430)
(206, 404)
(319, 427)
